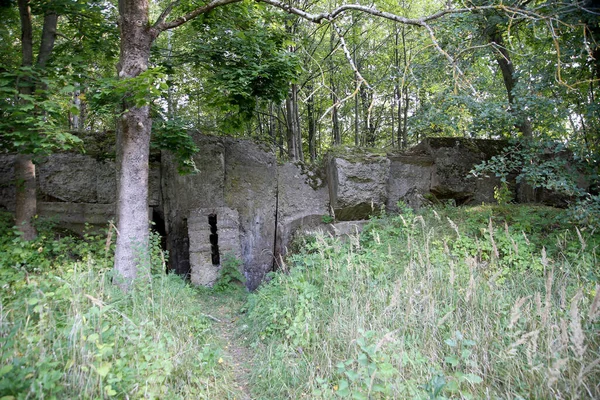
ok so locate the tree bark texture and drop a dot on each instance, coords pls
(508, 75)
(294, 136)
(133, 146)
(310, 115)
(26, 202)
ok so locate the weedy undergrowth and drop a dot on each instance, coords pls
(67, 332)
(494, 302)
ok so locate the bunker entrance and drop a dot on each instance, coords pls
(214, 239)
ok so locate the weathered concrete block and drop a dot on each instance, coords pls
(251, 189)
(409, 180)
(209, 243)
(75, 216)
(203, 272)
(68, 177)
(357, 184)
(453, 159)
(303, 200)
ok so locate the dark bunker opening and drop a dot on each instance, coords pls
(214, 239)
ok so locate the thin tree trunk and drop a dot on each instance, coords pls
(48, 37)
(405, 119)
(392, 114)
(310, 115)
(510, 81)
(26, 202)
(335, 120)
(403, 128)
(294, 137)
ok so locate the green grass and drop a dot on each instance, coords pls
(67, 332)
(481, 302)
(486, 302)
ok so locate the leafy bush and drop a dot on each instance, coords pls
(230, 277)
(548, 165)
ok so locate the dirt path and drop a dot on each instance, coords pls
(224, 312)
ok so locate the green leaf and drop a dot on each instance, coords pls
(6, 369)
(452, 360)
(343, 389)
(104, 369)
(450, 342)
(359, 396)
(363, 360)
(472, 378)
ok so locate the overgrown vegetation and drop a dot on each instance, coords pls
(481, 302)
(484, 302)
(67, 332)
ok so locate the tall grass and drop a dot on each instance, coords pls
(433, 306)
(67, 332)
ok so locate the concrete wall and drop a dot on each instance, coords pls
(259, 204)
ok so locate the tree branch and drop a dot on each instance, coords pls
(161, 25)
(328, 16)
(163, 16)
(48, 38)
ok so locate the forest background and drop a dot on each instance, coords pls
(491, 301)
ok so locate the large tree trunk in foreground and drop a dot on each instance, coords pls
(133, 145)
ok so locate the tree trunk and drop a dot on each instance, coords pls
(335, 120)
(294, 137)
(508, 75)
(310, 115)
(26, 203)
(133, 148)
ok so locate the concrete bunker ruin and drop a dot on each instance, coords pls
(244, 204)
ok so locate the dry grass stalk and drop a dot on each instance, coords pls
(563, 297)
(548, 298)
(453, 226)
(577, 335)
(581, 240)
(471, 262)
(444, 318)
(491, 231)
(589, 368)
(544, 257)
(594, 311)
(564, 334)
(555, 371)
(109, 236)
(524, 339)
(515, 312)
(532, 345)
(538, 304)
(420, 219)
(526, 239)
